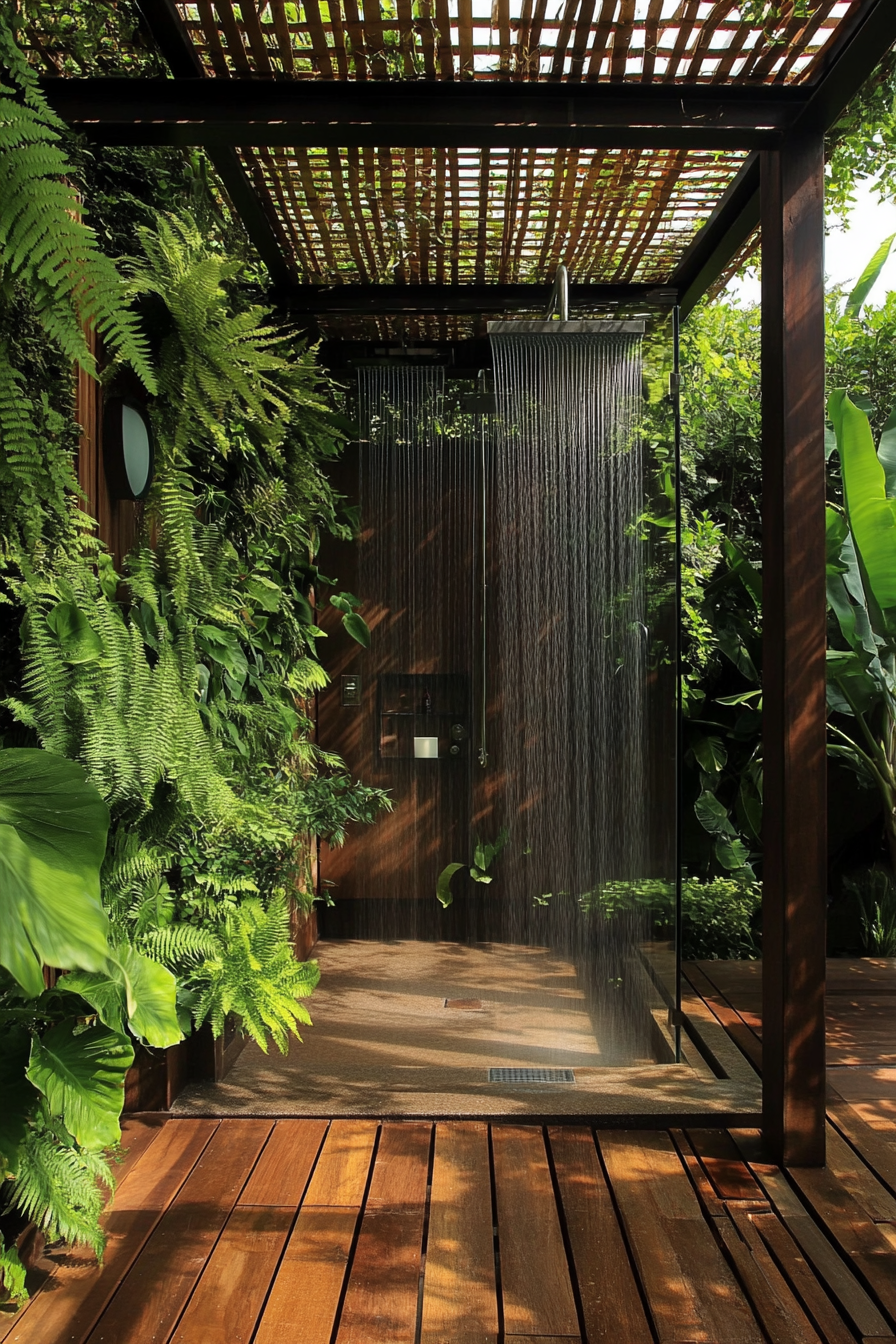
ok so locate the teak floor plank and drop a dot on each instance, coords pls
(723, 1164)
(535, 1284)
(690, 1290)
(305, 1297)
(401, 1169)
(876, 1149)
(781, 1314)
(340, 1176)
(229, 1297)
(834, 1272)
(611, 1303)
(862, 1184)
(80, 1290)
(794, 1265)
(282, 1171)
(384, 1281)
(460, 1302)
(854, 1231)
(152, 1296)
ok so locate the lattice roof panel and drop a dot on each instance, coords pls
(697, 41)
(463, 215)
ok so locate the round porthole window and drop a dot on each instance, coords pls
(128, 448)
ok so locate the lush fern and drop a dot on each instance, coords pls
(255, 974)
(45, 246)
(59, 1186)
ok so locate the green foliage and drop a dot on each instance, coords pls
(53, 827)
(484, 854)
(81, 1073)
(59, 1185)
(45, 246)
(255, 975)
(718, 918)
(874, 895)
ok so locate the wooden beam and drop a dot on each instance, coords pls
(348, 114)
(793, 567)
(471, 298)
(723, 234)
(165, 25)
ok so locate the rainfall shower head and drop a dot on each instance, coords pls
(575, 327)
(560, 325)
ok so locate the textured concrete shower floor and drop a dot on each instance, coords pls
(384, 1043)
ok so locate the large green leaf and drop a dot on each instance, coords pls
(869, 277)
(133, 990)
(53, 826)
(886, 451)
(358, 628)
(712, 815)
(78, 640)
(56, 810)
(19, 1097)
(443, 885)
(82, 1077)
(47, 917)
(872, 516)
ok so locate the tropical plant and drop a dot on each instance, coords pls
(873, 893)
(484, 855)
(862, 597)
(64, 1051)
(719, 918)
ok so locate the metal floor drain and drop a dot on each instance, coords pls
(531, 1076)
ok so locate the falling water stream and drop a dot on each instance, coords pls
(557, 658)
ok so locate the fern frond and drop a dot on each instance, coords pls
(44, 242)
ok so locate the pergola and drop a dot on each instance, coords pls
(430, 160)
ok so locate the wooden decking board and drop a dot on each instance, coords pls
(855, 1233)
(781, 1314)
(860, 1180)
(149, 1301)
(831, 1268)
(723, 1164)
(81, 1289)
(608, 1290)
(383, 1288)
(536, 1291)
(460, 1304)
(340, 1177)
(690, 1290)
(228, 1299)
(282, 1172)
(305, 1297)
(798, 1272)
(401, 1169)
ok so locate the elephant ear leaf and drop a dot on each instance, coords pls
(872, 516)
(82, 1077)
(53, 827)
(358, 628)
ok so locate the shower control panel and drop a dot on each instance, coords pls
(351, 688)
(423, 717)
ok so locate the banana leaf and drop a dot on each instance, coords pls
(872, 516)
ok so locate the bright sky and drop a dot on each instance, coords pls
(847, 251)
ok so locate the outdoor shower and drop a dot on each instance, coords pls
(516, 679)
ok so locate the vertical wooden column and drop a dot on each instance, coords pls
(795, 802)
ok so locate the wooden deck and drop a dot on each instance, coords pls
(307, 1231)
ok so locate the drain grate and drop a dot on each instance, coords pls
(531, 1076)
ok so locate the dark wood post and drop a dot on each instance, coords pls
(795, 816)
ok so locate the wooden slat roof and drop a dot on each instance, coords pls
(694, 41)
(391, 214)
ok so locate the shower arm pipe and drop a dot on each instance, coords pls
(559, 300)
